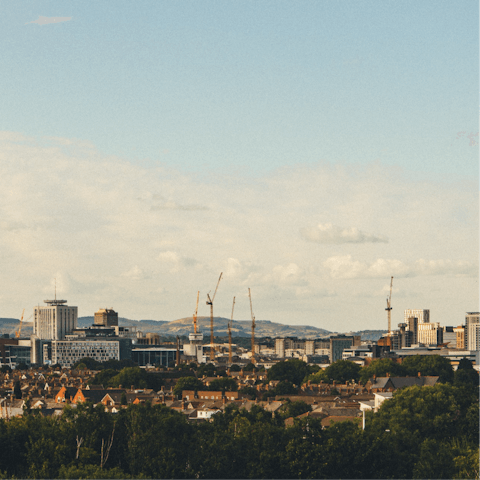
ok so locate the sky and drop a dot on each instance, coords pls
(308, 150)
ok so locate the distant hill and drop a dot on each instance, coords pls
(240, 328)
(184, 326)
(9, 325)
(372, 335)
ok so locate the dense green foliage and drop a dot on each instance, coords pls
(128, 377)
(422, 432)
(187, 383)
(345, 371)
(293, 371)
(429, 365)
(380, 368)
(93, 364)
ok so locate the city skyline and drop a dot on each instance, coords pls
(308, 152)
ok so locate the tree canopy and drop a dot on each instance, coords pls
(292, 371)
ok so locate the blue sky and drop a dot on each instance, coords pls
(255, 85)
(244, 94)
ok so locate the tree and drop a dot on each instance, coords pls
(249, 367)
(294, 409)
(429, 365)
(17, 390)
(90, 363)
(317, 377)
(207, 370)
(465, 373)
(424, 412)
(136, 376)
(343, 371)
(187, 383)
(380, 367)
(123, 399)
(224, 384)
(92, 471)
(292, 371)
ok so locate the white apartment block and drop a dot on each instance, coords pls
(430, 333)
(470, 318)
(422, 315)
(473, 336)
(54, 321)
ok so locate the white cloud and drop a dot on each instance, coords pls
(177, 262)
(345, 267)
(48, 20)
(328, 233)
(135, 273)
(65, 208)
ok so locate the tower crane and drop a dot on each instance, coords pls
(389, 307)
(253, 327)
(195, 315)
(19, 331)
(210, 302)
(230, 334)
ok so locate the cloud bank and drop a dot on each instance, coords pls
(99, 222)
(328, 233)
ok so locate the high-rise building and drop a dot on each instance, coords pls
(460, 333)
(412, 326)
(339, 342)
(106, 317)
(473, 336)
(470, 317)
(422, 315)
(430, 333)
(55, 320)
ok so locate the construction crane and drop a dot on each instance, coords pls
(195, 315)
(389, 307)
(177, 357)
(230, 335)
(210, 302)
(253, 328)
(19, 331)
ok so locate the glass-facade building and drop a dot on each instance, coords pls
(164, 357)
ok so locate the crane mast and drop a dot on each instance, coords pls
(210, 302)
(230, 334)
(389, 307)
(253, 327)
(19, 331)
(195, 315)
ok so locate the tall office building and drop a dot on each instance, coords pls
(473, 337)
(412, 326)
(470, 318)
(106, 317)
(55, 320)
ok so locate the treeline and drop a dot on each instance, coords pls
(422, 432)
